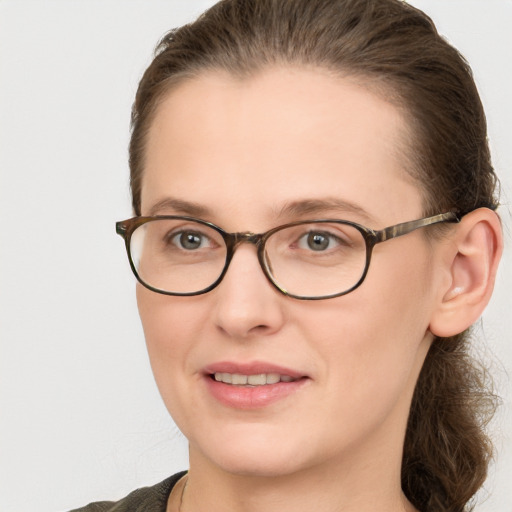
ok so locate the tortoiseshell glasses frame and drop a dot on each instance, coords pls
(126, 229)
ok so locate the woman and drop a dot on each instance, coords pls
(314, 234)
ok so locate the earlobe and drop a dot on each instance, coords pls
(472, 258)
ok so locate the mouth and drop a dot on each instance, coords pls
(253, 385)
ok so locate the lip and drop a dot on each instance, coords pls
(247, 397)
(252, 368)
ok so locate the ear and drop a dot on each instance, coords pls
(471, 260)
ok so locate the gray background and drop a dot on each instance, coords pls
(80, 416)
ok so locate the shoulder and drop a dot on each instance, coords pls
(145, 499)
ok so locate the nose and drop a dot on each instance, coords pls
(246, 304)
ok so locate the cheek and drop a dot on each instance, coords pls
(375, 339)
(166, 319)
(170, 325)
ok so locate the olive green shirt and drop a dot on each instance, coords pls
(145, 499)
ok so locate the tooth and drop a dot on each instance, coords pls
(238, 379)
(257, 380)
(273, 378)
(252, 380)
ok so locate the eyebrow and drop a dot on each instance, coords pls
(179, 206)
(304, 207)
(293, 209)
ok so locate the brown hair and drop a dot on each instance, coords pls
(396, 51)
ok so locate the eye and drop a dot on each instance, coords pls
(318, 241)
(190, 240)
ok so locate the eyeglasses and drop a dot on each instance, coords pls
(310, 260)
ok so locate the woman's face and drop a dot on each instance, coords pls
(249, 155)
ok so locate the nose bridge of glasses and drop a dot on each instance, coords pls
(246, 237)
(234, 240)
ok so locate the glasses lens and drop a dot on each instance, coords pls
(177, 255)
(316, 259)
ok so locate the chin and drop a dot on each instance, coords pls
(259, 465)
(252, 454)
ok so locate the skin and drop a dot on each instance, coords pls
(242, 150)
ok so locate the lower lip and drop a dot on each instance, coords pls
(256, 397)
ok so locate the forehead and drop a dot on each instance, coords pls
(241, 146)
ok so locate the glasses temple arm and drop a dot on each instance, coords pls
(406, 227)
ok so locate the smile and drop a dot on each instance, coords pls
(252, 385)
(261, 379)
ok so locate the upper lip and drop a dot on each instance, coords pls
(251, 368)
